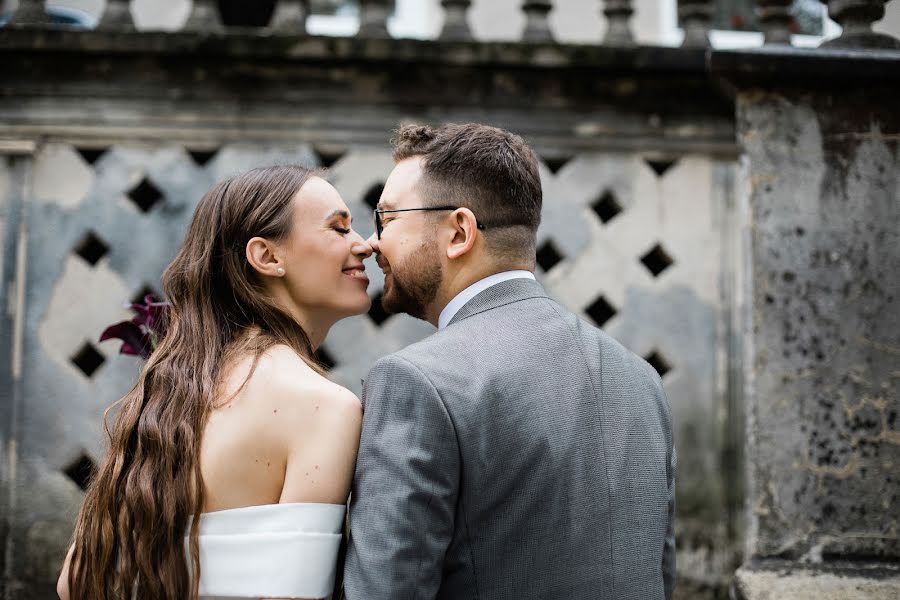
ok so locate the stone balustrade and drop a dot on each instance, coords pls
(117, 15)
(856, 18)
(695, 16)
(288, 17)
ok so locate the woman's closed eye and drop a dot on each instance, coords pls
(342, 230)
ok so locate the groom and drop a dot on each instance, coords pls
(518, 452)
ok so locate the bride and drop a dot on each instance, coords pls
(233, 455)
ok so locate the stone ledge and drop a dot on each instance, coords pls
(261, 44)
(91, 85)
(805, 67)
(785, 580)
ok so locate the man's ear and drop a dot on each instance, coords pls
(263, 257)
(465, 228)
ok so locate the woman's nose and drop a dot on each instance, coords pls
(361, 247)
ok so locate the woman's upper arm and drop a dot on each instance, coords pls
(62, 586)
(322, 446)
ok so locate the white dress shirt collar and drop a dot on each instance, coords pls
(473, 290)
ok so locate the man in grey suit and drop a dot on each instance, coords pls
(518, 452)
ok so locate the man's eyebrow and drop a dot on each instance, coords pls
(338, 213)
(384, 206)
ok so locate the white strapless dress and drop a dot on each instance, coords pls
(273, 550)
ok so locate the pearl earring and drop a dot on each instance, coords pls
(281, 270)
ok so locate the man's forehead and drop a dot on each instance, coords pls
(400, 187)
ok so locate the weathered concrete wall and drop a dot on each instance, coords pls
(782, 580)
(822, 167)
(826, 321)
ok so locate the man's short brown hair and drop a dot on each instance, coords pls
(488, 170)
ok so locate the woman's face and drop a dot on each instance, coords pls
(323, 256)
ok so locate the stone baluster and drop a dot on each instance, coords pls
(456, 27)
(204, 17)
(775, 20)
(855, 18)
(373, 16)
(290, 16)
(537, 27)
(30, 12)
(696, 18)
(116, 15)
(618, 28)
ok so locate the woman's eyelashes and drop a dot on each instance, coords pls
(342, 230)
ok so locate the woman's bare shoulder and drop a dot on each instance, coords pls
(291, 386)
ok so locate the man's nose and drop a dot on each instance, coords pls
(373, 242)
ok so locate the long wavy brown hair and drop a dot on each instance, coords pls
(129, 540)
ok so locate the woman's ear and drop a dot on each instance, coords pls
(263, 257)
(465, 228)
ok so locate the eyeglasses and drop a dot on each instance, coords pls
(379, 226)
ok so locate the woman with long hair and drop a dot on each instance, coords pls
(231, 459)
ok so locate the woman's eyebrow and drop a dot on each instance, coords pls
(338, 213)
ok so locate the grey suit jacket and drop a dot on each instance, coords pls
(518, 453)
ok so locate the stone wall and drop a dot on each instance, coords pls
(823, 368)
(640, 253)
(110, 138)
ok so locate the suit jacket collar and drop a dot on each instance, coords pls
(501, 294)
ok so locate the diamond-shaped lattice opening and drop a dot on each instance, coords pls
(372, 196)
(606, 206)
(660, 166)
(202, 157)
(600, 311)
(555, 163)
(659, 363)
(141, 294)
(548, 256)
(377, 312)
(145, 195)
(327, 155)
(81, 471)
(91, 248)
(88, 359)
(91, 155)
(325, 359)
(657, 260)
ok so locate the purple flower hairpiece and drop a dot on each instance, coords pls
(140, 336)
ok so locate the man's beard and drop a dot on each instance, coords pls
(415, 284)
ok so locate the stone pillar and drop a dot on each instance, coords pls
(204, 17)
(855, 18)
(30, 12)
(775, 20)
(696, 18)
(537, 27)
(290, 16)
(373, 16)
(618, 16)
(820, 135)
(456, 26)
(117, 15)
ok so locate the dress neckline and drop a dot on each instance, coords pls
(270, 506)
